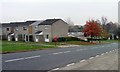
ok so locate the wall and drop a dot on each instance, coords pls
(60, 29)
(46, 29)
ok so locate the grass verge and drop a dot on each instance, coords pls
(8, 47)
(12, 46)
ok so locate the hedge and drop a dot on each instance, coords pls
(63, 39)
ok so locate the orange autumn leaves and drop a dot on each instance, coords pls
(94, 29)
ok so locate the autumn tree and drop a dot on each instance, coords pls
(103, 32)
(92, 29)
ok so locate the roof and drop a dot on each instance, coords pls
(49, 21)
(29, 22)
(37, 22)
(18, 23)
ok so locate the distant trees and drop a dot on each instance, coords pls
(119, 32)
(103, 21)
(104, 33)
(112, 28)
(75, 28)
(69, 21)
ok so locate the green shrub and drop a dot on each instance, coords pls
(63, 39)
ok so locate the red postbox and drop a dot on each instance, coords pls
(55, 40)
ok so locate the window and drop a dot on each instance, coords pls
(16, 28)
(47, 36)
(36, 27)
(7, 29)
(46, 26)
(24, 28)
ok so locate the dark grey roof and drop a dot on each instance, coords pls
(18, 23)
(30, 22)
(37, 22)
(49, 21)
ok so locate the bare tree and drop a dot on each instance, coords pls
(103, 20)
(69, 21)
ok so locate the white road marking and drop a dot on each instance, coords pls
(106, 52)
(57, 53)
(22, 58)
(110, 51)
(97, 56)
(56, 69)
(14, 60)
(70, 64)
(80, 49)
(102, 54)
(66, 51)
(94, 47)
(102, 46)
(32, 57)
(82, 60)
(91, 57)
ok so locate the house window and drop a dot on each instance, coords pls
(36, 27)
(16, 28)
(7, 29)
(24, 28)
(47, 36)
(46, 26)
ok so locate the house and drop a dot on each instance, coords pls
(16, 31)
(34, 31)
(51, 28)
(37, 31)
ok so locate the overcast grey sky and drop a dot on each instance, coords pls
(78, 10)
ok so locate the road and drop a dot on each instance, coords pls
(53, 58)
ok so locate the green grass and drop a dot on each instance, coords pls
(23, 46)
(109, 41)
(12, 46)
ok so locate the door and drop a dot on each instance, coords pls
(47, 38)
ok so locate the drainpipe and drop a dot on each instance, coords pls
(25, 37)
(28, 38)
(16, 37)
(35, 39)
(9, 38)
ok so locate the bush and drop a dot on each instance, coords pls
(63, 39)
(90, 39)
(72, 39)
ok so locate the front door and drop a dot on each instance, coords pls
(36, 39)
(47, 38)
(9, 38)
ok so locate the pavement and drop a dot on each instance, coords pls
(107, 61)
(64, 46)
(53, 59)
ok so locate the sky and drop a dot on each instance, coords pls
(79, 11)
